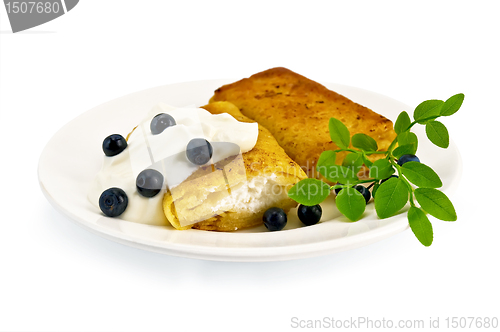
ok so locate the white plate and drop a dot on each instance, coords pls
(73, 156)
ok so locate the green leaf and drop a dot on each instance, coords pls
(309, 192)
(421, 175)
(351, 203)
(339, 133)
(404, 149)
(364, 142)
(408, 137)
(402, 123)
(452, 105)
(375, 188)
(353, 160)
(392, 196)
(381, 169)
(435, 203)
(420, 225)
(337, 173)
(428, 109)
(437, 134)
(327, 158)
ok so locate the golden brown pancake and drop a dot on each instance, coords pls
(249, 185)
(296, 111)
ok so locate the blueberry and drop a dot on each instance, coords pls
(337, 190)
(309, 215)
(113, 145)
(113, 202)
(364, 191)
(149, 182)
(392, 176)
(199, 151)
(274, 219)
(161, 122)
(406, 158)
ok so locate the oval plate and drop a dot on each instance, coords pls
(73, 157)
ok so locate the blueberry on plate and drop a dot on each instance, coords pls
(199, 151)
(113, 145)
(113, 202)
(309, 215)
(406, 158)
(149, 182)
(161, 122)
(274, 219)
(364, 191)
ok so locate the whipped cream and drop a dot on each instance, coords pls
(166, 152)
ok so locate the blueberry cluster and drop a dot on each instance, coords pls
(275, 218)
(365, 190)
(149, 182)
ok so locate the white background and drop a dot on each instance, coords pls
(56, 276)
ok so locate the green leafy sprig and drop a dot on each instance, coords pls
(415, 181)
